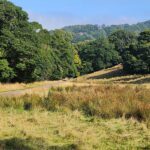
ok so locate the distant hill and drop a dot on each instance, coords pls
(90, 32)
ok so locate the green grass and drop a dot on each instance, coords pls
(69, 130)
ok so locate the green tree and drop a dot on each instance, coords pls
(63, 54)
(144, 37)
(136, 59)
(96, 55)
(6, 73)
(122, 39)
(18, 41)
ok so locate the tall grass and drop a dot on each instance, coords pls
(105, 101)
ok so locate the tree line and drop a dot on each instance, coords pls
(120, 47)
(89, 32)
(30, 53)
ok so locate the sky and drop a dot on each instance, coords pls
(54, 14)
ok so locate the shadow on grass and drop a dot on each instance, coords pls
(112, 74)
(142, 81)
(32, 144)
(127, 79)
(14, 144)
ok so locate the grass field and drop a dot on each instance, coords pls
(71, 130)
(106, 110)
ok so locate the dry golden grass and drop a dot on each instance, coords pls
(115, 75)
(9, 87)
(42, 130)
(98, 74)
(105, 101)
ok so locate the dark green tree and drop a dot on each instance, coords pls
(136, 59)
(6, 73)
(96, 55)
(45, 58)
(122, 39)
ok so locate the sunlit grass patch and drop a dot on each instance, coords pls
(30, 130)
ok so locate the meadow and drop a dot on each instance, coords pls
(86, 89)
(69, 130)
(78, 114)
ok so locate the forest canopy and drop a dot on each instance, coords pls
(28, 52)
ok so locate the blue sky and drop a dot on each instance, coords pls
(54, 14)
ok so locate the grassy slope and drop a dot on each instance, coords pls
(115, 75)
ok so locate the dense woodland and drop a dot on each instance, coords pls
(30, 53)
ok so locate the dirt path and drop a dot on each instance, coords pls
(41, 90)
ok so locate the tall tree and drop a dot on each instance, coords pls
(122, 39)
(18, 41)
(136, 59)
(96, 55)
(63, 54)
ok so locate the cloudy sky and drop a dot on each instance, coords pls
(54, 14)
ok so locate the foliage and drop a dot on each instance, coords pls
(18, 41)
(136, 58)
(31, 52)
(6, 73)
(96, 55)
(122, 39)
(63, 53)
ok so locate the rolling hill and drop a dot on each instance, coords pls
(90, 32)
